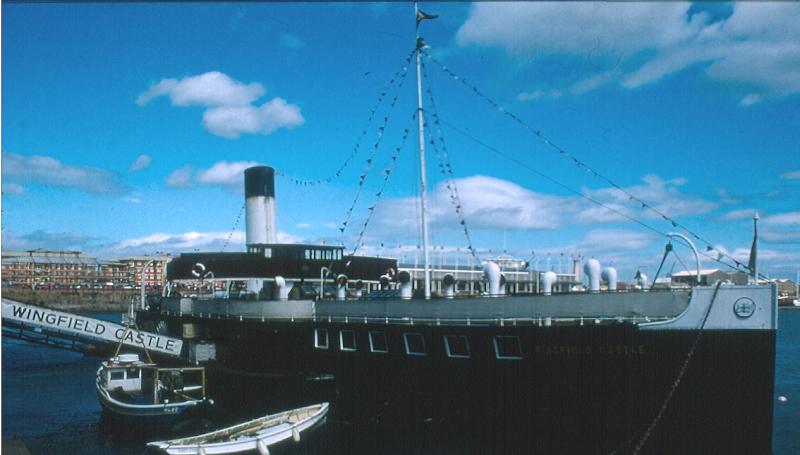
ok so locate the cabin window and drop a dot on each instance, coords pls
(117, 375)
(321, 338)
(457, 346)
(415, 343)
(347, 340)
(308, 254)
(267, 252)
(377, 342)
(133, 373)
(507, 347)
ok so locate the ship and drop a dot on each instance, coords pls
(548, 371)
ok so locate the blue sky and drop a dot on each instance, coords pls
(126, 126)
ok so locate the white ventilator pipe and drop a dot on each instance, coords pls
(592, 270)
(492, 273)
(609, 275)
(548, 280)
(449, 283)
(406, 287)
(341, 287)
(282, 288)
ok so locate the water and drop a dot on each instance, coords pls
(49, 402)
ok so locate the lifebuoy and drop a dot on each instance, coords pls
(199, 270)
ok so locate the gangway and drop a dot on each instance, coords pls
(40, 325)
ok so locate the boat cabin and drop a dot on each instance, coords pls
(128, 377)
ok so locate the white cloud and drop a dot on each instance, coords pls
(794, 175)
(739, 214)
(755, 49)
(12, 188)
(222, 173)
(606, 240)
(46, 240)
(225, 173)
(492, 203)
(783, 219)
(303, 225)
(576, 28)
(208, 89)
(190, 241)
(142, 162)
(781, 236)
(231, 121)
(661, 194)
(180, 178)
(229, 104)
(530, 96)
(751, 99)
(591, 83)
(44, 170)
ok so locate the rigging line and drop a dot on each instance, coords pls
(368, 166)
(399, 75)
(387, 173)
(233, 229)
(446, 167)
(538, 133)
(552, 180)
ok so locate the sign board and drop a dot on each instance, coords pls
(89, 327)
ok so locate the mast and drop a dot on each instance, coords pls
(423, 183)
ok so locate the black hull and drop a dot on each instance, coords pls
(577, 389)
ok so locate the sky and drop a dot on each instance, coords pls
(126, 128)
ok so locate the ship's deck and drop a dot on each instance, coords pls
(560, 308)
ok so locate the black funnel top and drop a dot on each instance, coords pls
(259, 181)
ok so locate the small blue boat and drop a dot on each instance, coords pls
(133, 391)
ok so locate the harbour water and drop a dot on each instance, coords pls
(49, 402)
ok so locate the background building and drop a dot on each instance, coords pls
(45, 269)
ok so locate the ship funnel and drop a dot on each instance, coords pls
(548, 280)
(609, 275)
(449, 283)
(259, 195)
(492, 273)
(341, 287)
(592, 270)
(406, 287)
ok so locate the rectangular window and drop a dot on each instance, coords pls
(321, 338)
(415, 343)
(457, 346)
(377, 342)
(507, 347)
(347, 340)
(117, 375)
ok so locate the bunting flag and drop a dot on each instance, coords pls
(422, 15)
(751, 264)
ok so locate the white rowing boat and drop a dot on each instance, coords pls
(257, 434)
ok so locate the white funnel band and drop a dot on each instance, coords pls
(260, 214)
